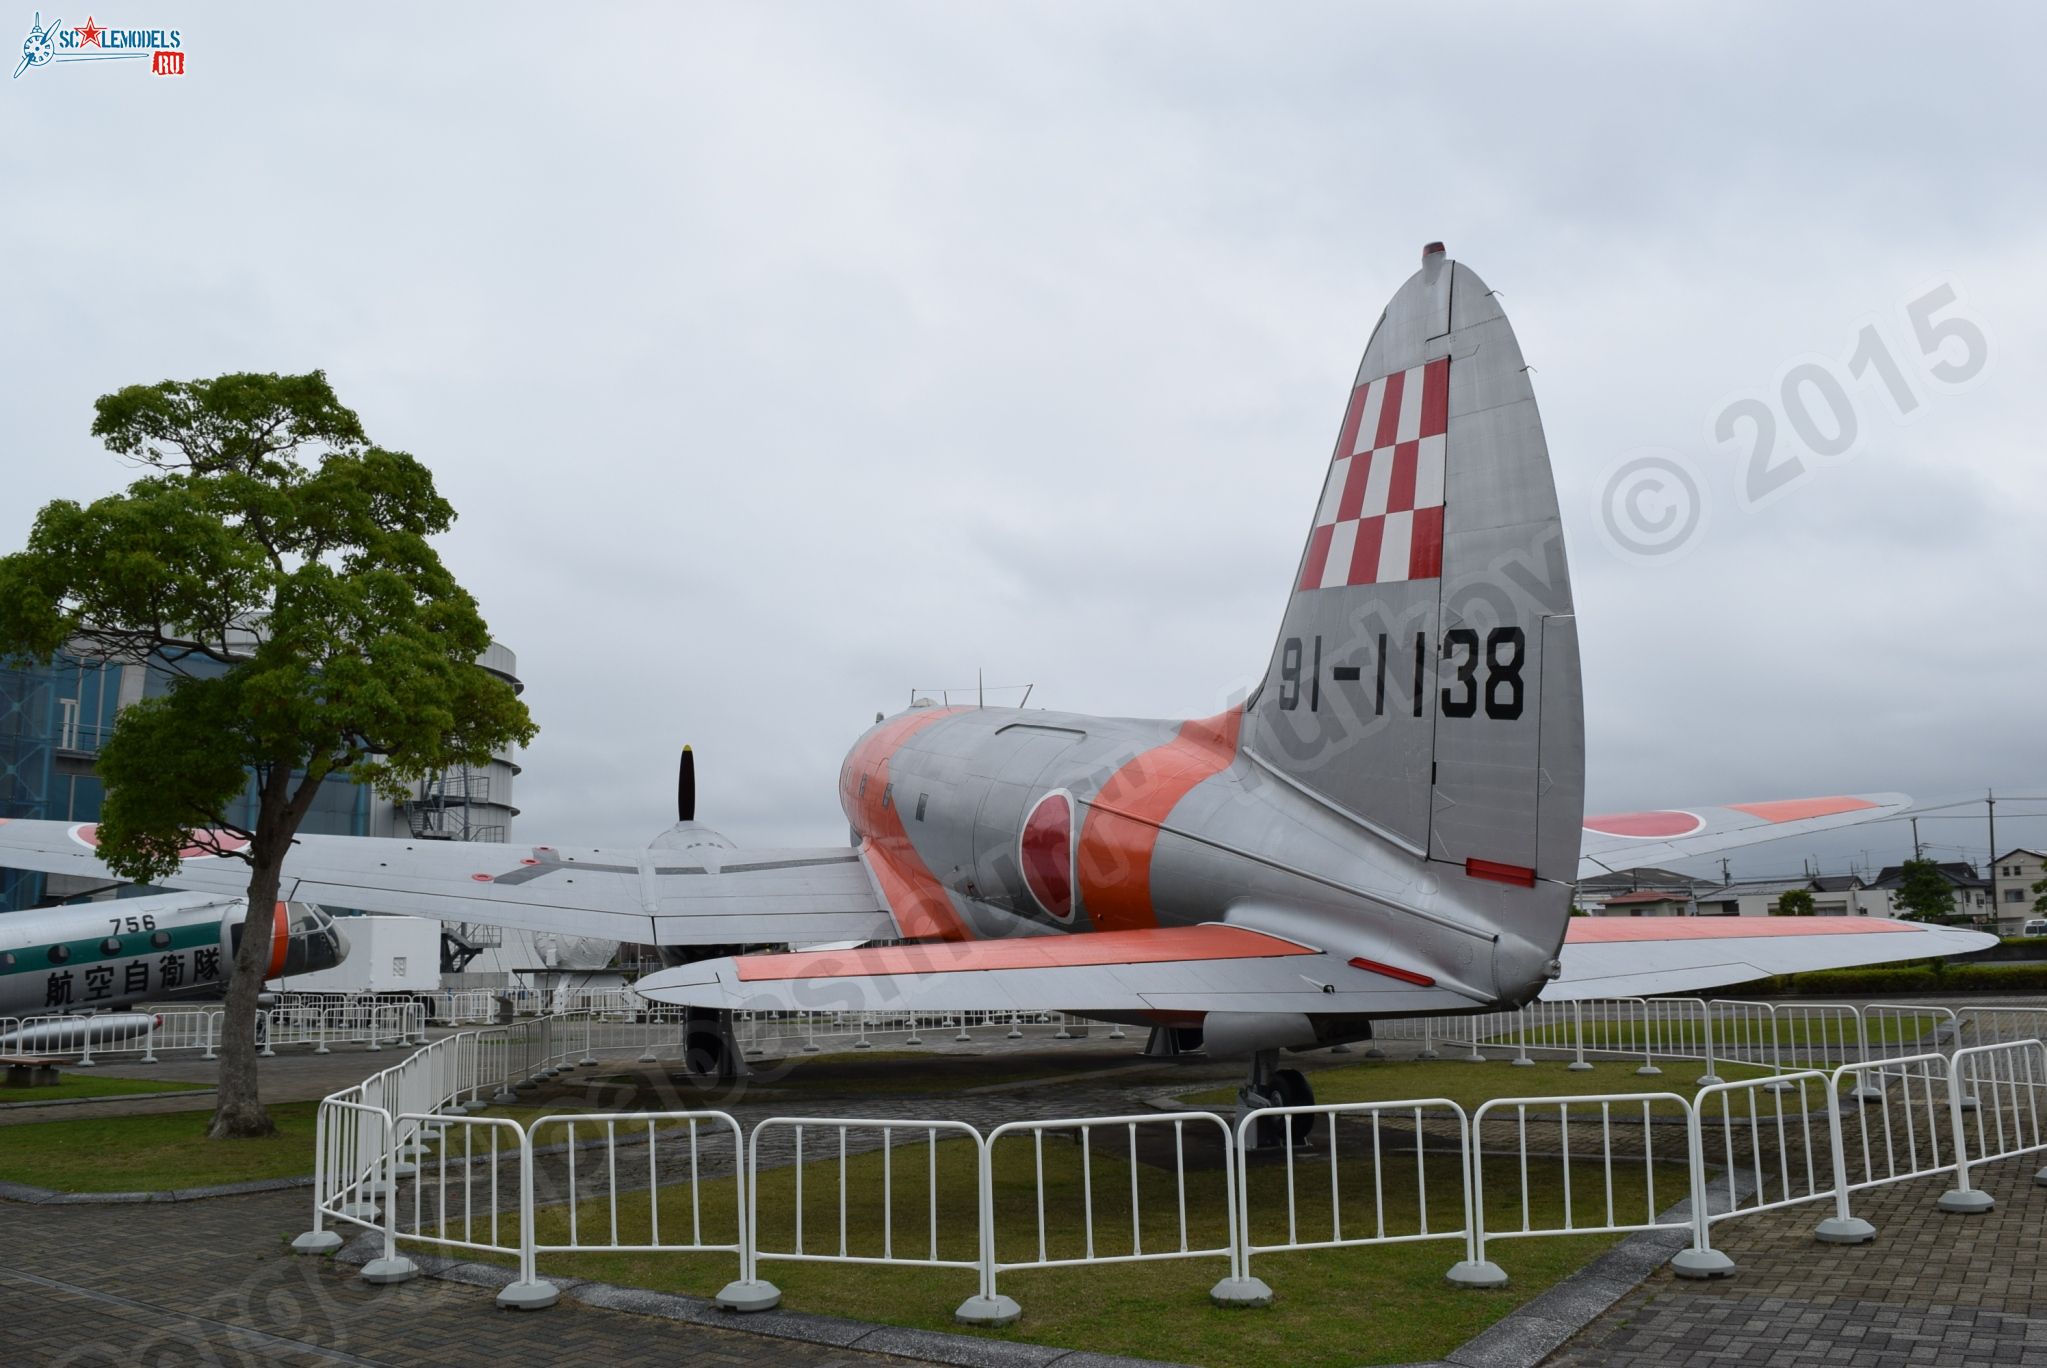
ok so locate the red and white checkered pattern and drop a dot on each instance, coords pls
(1381, 516)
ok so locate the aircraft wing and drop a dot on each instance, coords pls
(663, 897)
(1193, 970)
(1631, 840)
(1634, 956)
(1187, 970)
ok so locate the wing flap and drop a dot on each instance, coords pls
(1635, 956)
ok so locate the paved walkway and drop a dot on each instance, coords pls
(113, 1287)
(1932, 1289)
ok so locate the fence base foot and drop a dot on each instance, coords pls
(1476, 1273)
(316, 1242)
(1648, 1071)
(1245, 1291)
(2041, 1177)
(477, 1104)
(754, 1295)
(586, 1063)
(1966, 1202)
(1702, 1263)
(1427, 1054)
(1578, 1066)
(1474, 1059)
(529, 1296)
(1375, 1053)
(810, 1049)
(358, 1211)
(1708, 1080)
(382, 1272)
(863, 1044)
(1524, 1062)
(1844, 1230)
(504, 1097)
(1339, 1049)
(1866, 1093)
(995, 1310)
(648, 1058)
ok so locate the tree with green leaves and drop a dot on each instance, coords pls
(1924, 894)
(279, 566)
(1795, 902)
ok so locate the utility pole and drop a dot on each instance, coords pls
(1723, 871)
(1990, 806)
(1990, 869)
(1917, 854)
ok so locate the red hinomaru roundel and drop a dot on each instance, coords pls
(87, 834)
(1046, 852)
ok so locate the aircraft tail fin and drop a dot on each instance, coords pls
(1425, 680)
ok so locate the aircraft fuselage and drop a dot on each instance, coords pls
(990, 822)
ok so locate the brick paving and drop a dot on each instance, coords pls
(1932, 1289)
(211, 1283)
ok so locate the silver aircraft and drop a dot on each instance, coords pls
(1390, 824)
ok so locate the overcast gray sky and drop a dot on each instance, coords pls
(780, 358)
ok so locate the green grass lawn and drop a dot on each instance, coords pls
(153, 1153)
(70, 1085)
(1794, 1028)
(1331, 1307)
(1470, 1084)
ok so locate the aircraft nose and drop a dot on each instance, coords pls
(316, 942)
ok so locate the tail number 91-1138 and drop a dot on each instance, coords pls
(1480, 673)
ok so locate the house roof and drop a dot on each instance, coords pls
(1647, 895)
(1648, 877)
(1958, 873)
(2019, 850)
(1752, 888)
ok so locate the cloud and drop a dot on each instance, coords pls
(782, 360)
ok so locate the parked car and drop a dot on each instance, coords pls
(2036, 926)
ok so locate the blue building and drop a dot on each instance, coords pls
(55, 717)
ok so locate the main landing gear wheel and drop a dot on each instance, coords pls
(1271, 1086)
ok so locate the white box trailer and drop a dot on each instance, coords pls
(385, 955)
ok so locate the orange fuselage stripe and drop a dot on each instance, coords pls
(922, 908)
(1176, 944)
(280, 942)
(1122, 824)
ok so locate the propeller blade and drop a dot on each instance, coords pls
(686, 788)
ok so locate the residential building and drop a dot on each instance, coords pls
(2013, 875)
(1972, 892)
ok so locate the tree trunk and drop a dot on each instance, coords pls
(238, 1107)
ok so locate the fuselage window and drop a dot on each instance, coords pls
(59, 953)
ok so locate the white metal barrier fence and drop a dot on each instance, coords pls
(401, 1156)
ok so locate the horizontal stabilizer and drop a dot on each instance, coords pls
(1635, 956)
(1635, 840)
